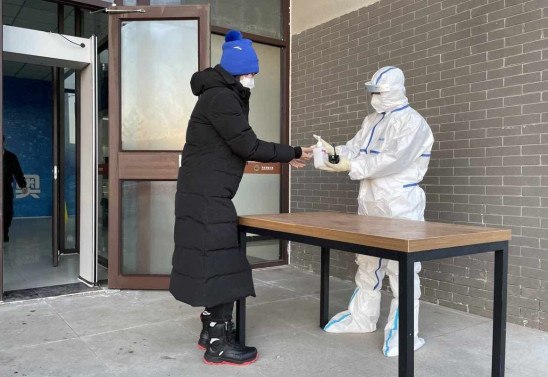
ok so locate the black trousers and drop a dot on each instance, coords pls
(221, 313)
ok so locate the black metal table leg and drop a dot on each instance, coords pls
(406, 361)
(240, 321)
(499, 312)
(240, 304)
(324, 288)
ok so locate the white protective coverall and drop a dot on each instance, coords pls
(389, 156)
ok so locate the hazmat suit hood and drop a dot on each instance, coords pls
(216, 77)
(390, 83)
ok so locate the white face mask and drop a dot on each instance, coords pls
(248, 82)
(376, 102)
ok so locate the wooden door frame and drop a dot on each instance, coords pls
(126, 165)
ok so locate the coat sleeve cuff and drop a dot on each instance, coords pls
(298, 152)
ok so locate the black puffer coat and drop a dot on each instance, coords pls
(208, 268)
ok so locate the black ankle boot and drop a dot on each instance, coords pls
(204, 334)
(223, 349)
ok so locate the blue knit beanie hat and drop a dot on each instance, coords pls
(239, 57)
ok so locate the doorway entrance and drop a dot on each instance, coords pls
(39, 177)
(49, 107)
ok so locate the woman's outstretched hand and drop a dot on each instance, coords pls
(301, 161)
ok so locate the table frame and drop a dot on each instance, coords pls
(406, 269)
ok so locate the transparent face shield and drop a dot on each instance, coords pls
(368, 98)
(371, 90)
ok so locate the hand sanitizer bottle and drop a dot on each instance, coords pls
(319, 154)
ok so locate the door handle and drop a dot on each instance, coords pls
(55, 171)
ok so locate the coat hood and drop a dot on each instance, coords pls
(216, 77)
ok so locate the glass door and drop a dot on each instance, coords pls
(65, 163)
(58, 116)
(153, 52)
(102, 158)
(68, 169)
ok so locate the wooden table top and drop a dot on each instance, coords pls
(392, 234)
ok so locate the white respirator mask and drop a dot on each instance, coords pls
(377, 103)
(248, 82)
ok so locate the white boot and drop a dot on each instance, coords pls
(364, 307)
(391, 337)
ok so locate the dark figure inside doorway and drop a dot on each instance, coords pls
(12, 169)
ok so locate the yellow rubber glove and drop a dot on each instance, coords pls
(342, 166)
(325, 168)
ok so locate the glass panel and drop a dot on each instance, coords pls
(258, 17)
(263, 18)
(172, 2)
(147, 226)
(30, 14)
(156, 97)
(258, 194)
(68, 214)
(95, 24)
(102, 157)
(262, 250)
(69, 20)
(264, 108)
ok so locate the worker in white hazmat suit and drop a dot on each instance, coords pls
(389, 156)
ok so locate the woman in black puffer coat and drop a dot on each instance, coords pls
(208, 268)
